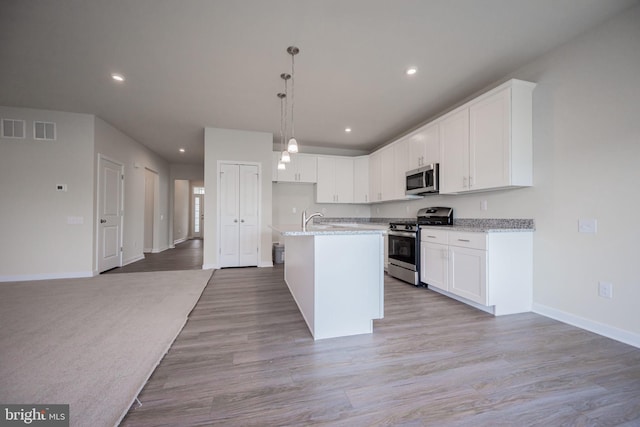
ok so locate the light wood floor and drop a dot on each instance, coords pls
(185, 256)
(246, 358)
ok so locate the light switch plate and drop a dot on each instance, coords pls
(587, 225)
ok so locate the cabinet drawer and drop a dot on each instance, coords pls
(434, 236)
(468, 240)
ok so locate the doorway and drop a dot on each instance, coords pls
(197, 209)
(151, 192)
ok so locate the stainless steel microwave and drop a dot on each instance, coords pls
(423, 180)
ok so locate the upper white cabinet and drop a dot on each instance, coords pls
(335, 180)
(454, 155)
(361, 180)
(487, 143)
(302, 168)
(424, 146)
(375, 176)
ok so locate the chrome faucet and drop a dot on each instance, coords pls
(306, 219)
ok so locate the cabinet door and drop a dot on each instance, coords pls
(306, 167)
(375, 176)
(388, 187)
(325, 188)
(489, 147)
(434, 265)
(468, 273)
(343, 180)
(417, 148)
(290, 173)
(431, 144)
(401, 166)
(275, 159)
(361, 179)
(454, 152)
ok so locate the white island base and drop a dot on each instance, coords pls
(337, 280)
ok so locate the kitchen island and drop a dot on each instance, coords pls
(336, 276)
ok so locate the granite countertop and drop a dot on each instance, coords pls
(486, 225)
(477, 225)
(324, 230)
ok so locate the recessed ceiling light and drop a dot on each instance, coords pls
(181, 150)
(347, 130)
(117, 77)
(411, 71)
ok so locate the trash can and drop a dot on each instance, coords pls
(278, 253)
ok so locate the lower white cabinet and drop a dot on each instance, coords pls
(492, 271)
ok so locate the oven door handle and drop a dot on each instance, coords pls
(402, 234)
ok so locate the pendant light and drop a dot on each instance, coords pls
(281, 162)
(284, 157)
(292, 146)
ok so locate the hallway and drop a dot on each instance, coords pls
(185, 256)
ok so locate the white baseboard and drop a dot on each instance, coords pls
(589, 325)
(210, 267)
(178, 241)
(265, 264)
(134, 259)
(46, 276)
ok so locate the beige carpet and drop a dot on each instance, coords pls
(91, 343)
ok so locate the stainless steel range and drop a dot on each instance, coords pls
(404, 242)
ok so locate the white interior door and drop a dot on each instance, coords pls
(248, 215)
(110, 178)
(198, 216)
(239, 207)
(149, 209)
(229, 215)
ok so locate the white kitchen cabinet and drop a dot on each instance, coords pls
(401, 166)
(487, 143)
(335, 180)
(434, 259)
(361, 180)
(387, 169)
(375, 176)
(301, 169)
(454, 153)
(468, 273)
(424, 146)
(491, 271)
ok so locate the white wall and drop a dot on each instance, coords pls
(37, 241)
(181, 197)
(287, 196)
(586, 152)
(236, 145)
(115, 145)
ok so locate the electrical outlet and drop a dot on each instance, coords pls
(483, 205)
(294, 210)
(605, 289)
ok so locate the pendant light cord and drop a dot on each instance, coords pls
(293, 98)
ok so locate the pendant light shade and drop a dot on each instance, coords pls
(292, 147)
(285, 158)
(281, 166)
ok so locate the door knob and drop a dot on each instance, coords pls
(242, 220)
(102, 221)
(235, 220)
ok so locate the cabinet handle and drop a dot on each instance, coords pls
(464, 182)
(470, 181)
(366, 196)
(463, 240)
(431, 237)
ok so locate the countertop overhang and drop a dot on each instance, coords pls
(326, 230)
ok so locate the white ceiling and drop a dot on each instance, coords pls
(191, 64)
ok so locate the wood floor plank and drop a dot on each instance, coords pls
(246, 358)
